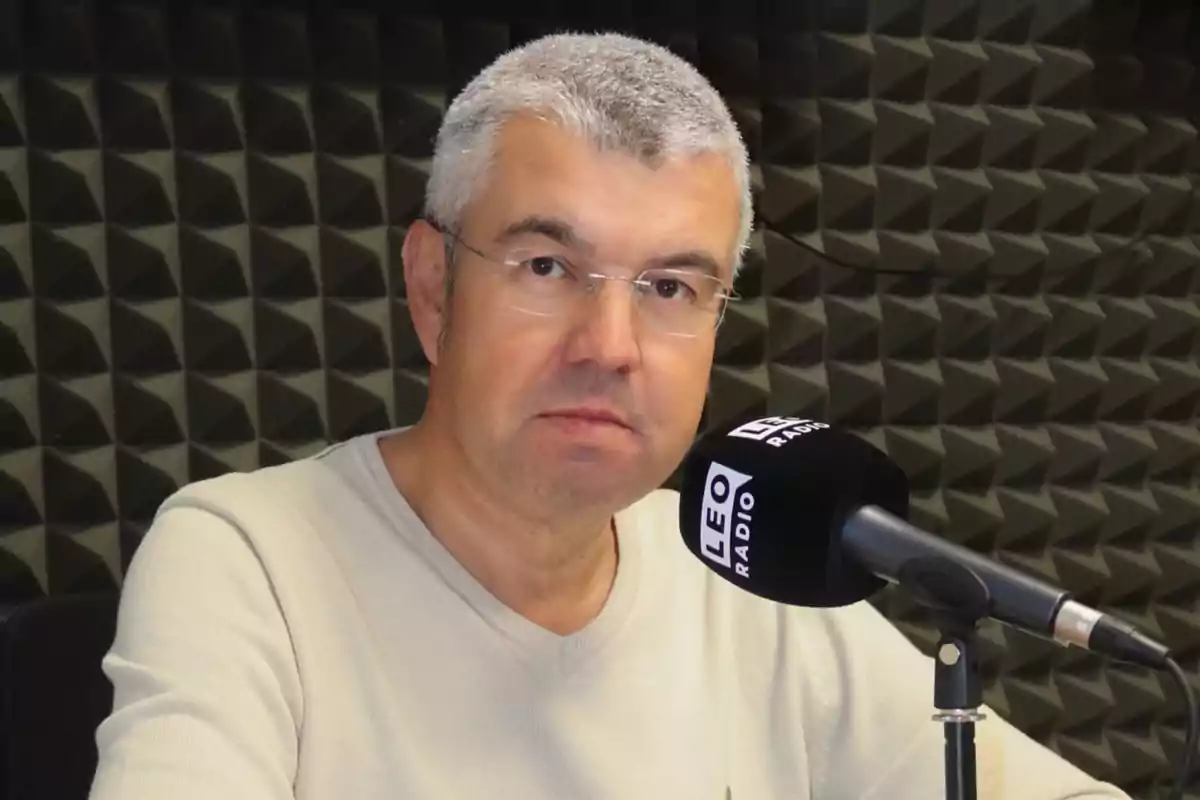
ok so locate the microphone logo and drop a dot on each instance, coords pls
(725, 517)
(776, 431)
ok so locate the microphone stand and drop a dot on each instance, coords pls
(959, 600)
(958, 694)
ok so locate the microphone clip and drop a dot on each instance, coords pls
(958, 599)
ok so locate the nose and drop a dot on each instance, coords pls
(605, 330)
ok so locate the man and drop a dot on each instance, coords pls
(495, 603)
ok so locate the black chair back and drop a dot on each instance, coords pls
(53, 694)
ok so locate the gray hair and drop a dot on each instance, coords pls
(616, 91)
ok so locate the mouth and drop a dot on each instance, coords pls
(596, 416)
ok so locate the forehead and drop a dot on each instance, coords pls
(625, 207)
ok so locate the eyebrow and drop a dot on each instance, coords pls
(559, 230)
(565, 234)
(691, 259)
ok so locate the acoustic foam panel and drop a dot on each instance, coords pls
(201, 212)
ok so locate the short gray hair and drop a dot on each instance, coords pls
(616, 91)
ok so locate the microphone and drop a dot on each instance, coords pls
(798, 512)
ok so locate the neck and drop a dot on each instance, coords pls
(554, 569)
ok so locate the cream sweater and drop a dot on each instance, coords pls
(296, 632)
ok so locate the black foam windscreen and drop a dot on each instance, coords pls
(763, 500)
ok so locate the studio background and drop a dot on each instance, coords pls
(202, 205)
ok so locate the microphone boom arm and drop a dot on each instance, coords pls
(1016, 598)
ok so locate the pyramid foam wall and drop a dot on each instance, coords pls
(201, 208)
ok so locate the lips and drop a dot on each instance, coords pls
(586, 414)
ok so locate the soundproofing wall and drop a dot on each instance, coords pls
(202, 205)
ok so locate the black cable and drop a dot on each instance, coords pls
(1127, 247)
(1191, 730)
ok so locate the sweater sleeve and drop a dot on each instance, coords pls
(207, 699)
(873, 695)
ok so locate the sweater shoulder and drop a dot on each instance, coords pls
(307, 488)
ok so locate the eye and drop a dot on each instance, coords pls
(672, 288)
(545, 266)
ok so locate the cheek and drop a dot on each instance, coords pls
(679, 380)
(499, 358)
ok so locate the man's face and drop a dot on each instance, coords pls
(521, 391)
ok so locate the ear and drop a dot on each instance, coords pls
(424, 256)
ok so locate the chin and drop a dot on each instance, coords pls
(602, 476)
